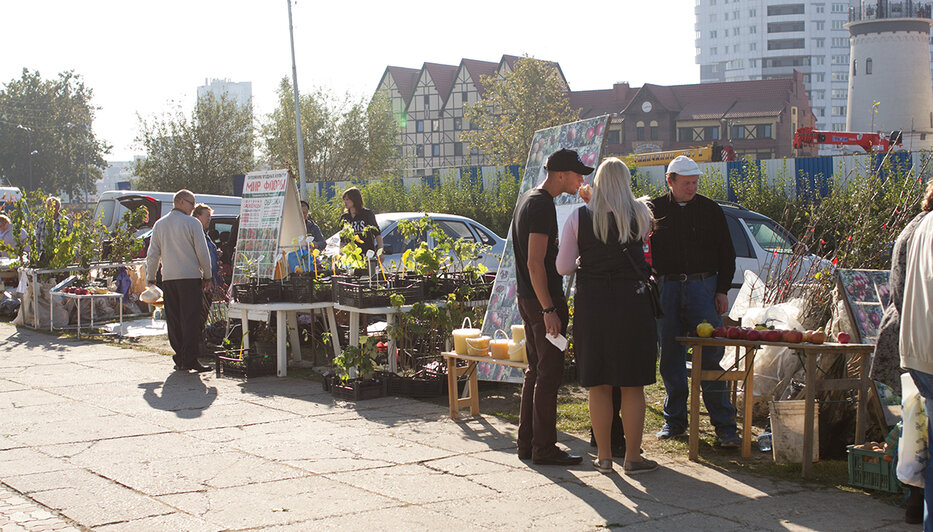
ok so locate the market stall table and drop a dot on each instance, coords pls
(91, 298)
(286, 313)
(454, 372)
(813, 385)
(389, 313)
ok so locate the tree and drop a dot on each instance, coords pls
(199, 153)
(343, 138)
(533, 96)
(47, 135)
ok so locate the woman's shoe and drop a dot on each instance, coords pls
(603, 466)
(642, 466)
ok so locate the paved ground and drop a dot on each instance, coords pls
(106, 438)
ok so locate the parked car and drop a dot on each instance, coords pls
(763, 246)
(394, 244)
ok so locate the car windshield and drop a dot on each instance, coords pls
(771, 236)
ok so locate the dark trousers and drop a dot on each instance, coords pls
(537, 425)
(183, 306)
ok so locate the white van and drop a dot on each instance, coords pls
(113, 203)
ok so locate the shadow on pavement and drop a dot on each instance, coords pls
(182, 392)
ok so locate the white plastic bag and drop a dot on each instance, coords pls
(912, 447)
(751, 295)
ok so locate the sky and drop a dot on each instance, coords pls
(143, 59)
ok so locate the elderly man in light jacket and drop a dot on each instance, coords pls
(916, 340)
(178, 243)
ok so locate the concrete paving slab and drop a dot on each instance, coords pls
(25, 461)
(10, 386)
(83, 429)
(27, 397)
(807, 509)
(413, 484)
(385, 519)
(101, 504)
(173, 522)
(278, 503)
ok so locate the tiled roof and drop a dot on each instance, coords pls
(478, 69)
(443, 77)
(405, 80)
(600, 102)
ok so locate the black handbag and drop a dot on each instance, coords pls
(651, 285)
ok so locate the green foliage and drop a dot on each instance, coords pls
(124, 246)
(343, 138)
(361, 358)
(533, 96)
(46, 131)
(199, 153)
(71, 239)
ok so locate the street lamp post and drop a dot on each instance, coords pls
(31, 151)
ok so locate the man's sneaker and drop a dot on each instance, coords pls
(667, 432)
(642, 466)
(728, 439)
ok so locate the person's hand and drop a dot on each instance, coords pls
(722, 303)
(586, 192)
(552, 323)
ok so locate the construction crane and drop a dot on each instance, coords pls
(870, 142)
(701, 154)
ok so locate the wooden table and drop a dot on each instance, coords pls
(286, 313)
(471, 397)
(810, 352)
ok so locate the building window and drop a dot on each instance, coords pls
(458, 123)
(840, 94)
(868, 66)
(820, 25)
(839, 110)
(753, 29)
(653, 132)
(819, 8)
(474, 151)
(752, 12)
(435, 125)
(840, 42)
(464, 97)
(785, 9)
(435, 150)
(838, 24)
(419, 150)
(818, 42)
(427, 101)
(712, 51)
(419, 126)
(840, 76)
(854, 67)
(840, 8)
(458, 149)
(713, 34)
(640, 131)
(764, 131)
(819, 77)
(612, 136)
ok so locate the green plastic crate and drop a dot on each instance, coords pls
(868, 469)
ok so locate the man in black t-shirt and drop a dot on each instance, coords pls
(543, 307)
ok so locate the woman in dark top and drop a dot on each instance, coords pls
(615, 332)
(362, 220)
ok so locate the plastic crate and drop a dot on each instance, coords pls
(307, 290)
(358, 390)
(246, 364)
(868, 469)
(365, 295)
(423, 384)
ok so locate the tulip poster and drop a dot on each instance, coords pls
(587, 138)
(867, 294)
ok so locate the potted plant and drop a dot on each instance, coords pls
(232, 358)
(355, 367)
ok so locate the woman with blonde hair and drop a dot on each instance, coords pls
(615, 331)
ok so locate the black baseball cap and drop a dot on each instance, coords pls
(564, 160)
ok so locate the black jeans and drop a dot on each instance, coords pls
(537, 425)
(183, 306)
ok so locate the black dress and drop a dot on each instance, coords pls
(615, 333)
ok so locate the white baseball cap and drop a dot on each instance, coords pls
(683, 165)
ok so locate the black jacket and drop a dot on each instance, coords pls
(692, 238)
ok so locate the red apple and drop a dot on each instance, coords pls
(720, 332)
(734, 333)
(807, 335)
(772, 336)
(818, 337)
(843, 338)
(752, 335)
(792, 337)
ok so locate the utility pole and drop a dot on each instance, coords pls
(301, 147)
